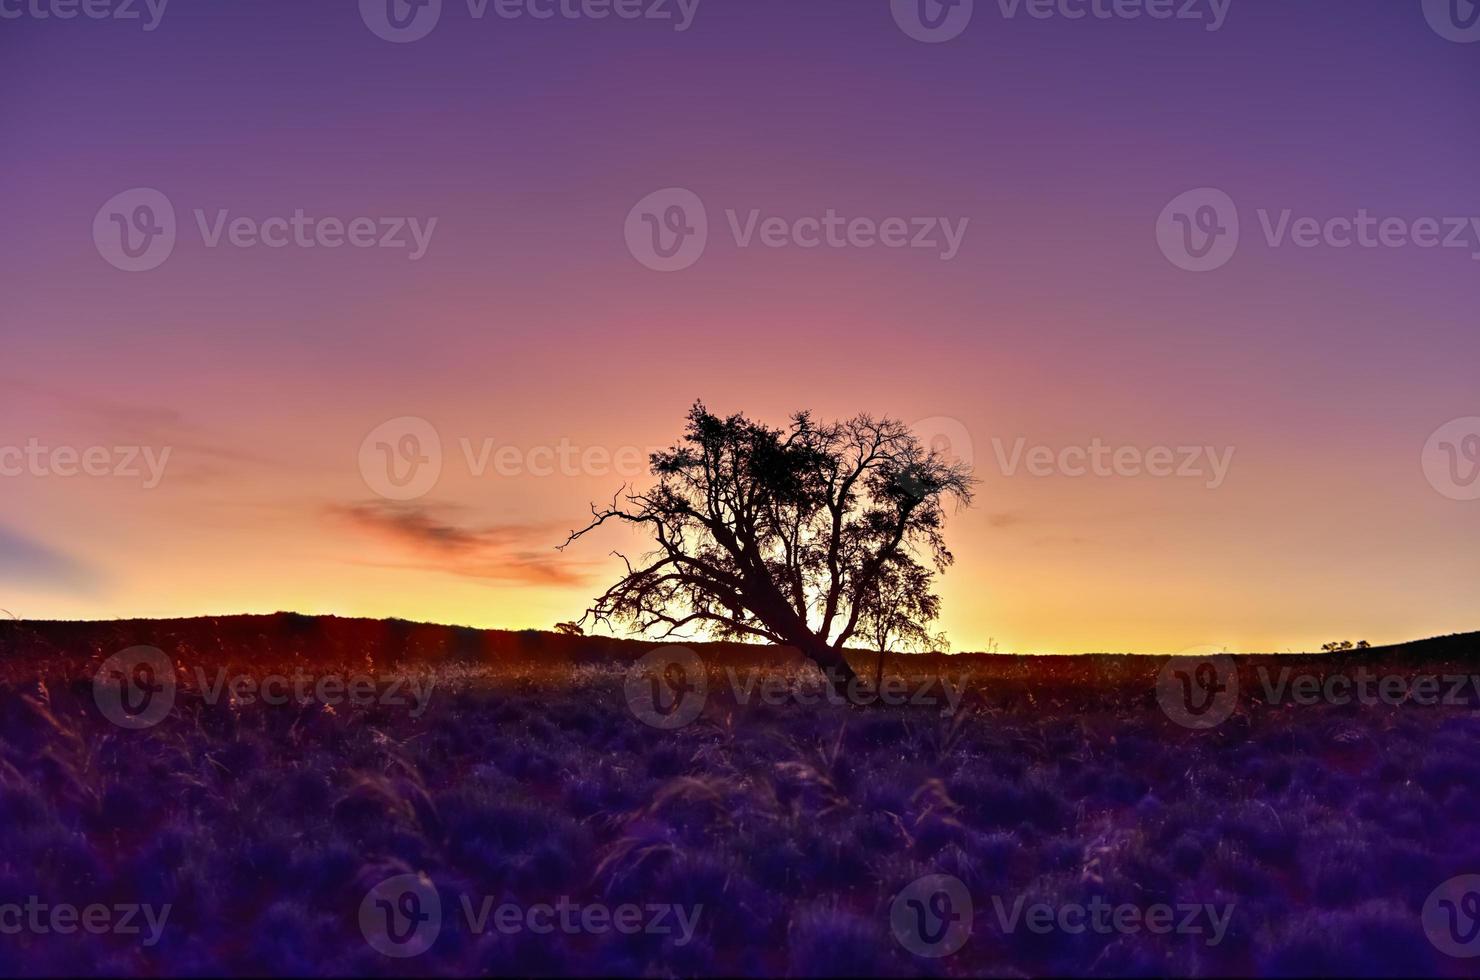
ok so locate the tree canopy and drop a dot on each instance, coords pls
(806, 535)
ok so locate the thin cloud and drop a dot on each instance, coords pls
(199, 456)
(517, 553)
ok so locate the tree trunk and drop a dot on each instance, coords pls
(831, 662)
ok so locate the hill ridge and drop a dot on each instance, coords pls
(423, 638)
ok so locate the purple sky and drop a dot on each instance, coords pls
(1055, 144)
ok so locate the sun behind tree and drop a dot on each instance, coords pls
(795, 535)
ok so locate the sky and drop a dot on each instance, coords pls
(250, 249)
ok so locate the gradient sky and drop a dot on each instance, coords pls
(529, 323)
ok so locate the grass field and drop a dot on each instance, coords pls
(777, 831)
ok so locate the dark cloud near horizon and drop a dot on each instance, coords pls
(28, 562)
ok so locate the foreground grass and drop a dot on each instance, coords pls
(792, 827)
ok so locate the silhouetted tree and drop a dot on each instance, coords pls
(784, 534)
(898, 611)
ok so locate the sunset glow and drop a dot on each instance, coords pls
(1292, 392)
